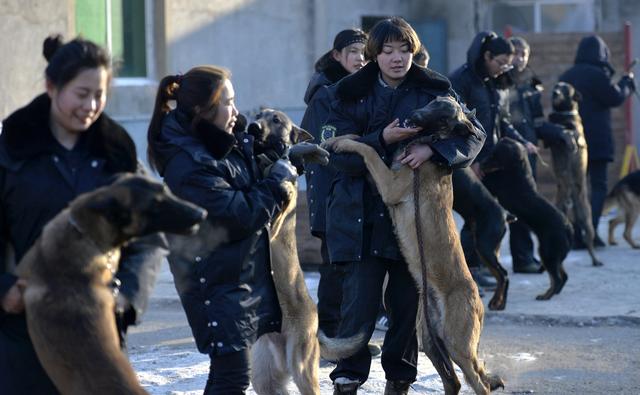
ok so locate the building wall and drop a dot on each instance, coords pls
(24, 24)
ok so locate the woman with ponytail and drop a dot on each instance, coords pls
(56, 147)
(228, 293)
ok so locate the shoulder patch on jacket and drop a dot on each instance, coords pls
(327, 132)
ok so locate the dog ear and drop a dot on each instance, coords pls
(299, 135)
(577, 96)
(110, 208)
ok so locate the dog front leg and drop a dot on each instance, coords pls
(391, 186)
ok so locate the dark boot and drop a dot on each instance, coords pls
(345, 386)
(397, 387)
(483, 278)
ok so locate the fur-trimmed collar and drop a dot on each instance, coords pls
(26, 134)
(361, 82)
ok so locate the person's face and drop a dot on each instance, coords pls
(496, 65)
(351, 57)
(394, 61)
(521, 59)
(78, 104)
(226, 111)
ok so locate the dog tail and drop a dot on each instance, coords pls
(335, 348)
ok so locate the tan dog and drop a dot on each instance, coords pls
(570, 165)
(455, 316)
(68, 299)
(626, 196)
(295, 351)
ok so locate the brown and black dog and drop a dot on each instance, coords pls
(295, 351)
(626, 196)
(569, 160)
(68, 299)
(455, 314)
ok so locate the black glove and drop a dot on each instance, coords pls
(308, 153)
(627, 81)
(283, 170)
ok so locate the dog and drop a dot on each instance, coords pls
(296, 350)
(451, 330)
(509, 177)
(569, 161)
(488, 223)
(626, 196)
(68, 299)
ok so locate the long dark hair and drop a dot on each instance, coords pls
(195, 93)
(67, 60)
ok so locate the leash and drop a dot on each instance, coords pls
(441, 349)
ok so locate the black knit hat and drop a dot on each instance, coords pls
(342, 40)
(348, 37)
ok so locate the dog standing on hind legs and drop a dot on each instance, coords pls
(295, 351)
(569, 160)
(455, 317)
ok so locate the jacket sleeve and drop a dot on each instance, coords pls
(341, 123)
(7, 279)
(139, 265)
(460, 151)
(610, 94)
(240, 212)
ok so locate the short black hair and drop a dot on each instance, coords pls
(67, 60)
(391, 29)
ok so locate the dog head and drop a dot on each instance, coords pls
(134, 206)
(508, 155)
(564, 97)
(274, 133)
(443, 117)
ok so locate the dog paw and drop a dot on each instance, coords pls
(597, 263)
(497, 304)
(547, 295)
(344, 145)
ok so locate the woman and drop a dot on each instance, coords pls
(227, 294)
(360, 235)
(59, 146)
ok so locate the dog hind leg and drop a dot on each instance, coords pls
(269, 375)
(462, 341)
(630, 220)
(303, 358)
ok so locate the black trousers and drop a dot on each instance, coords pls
(329, 292)
(362, 292)
(229, 374)
(597, 172)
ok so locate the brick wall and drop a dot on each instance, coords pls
(551, 55)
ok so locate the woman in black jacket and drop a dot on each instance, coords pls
(371, 103)
(346, 57)
(227, 292)
(59, 146)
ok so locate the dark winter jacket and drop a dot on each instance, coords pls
(591, 75)
(228, 292)
(318, 98)
(38, 178)
(480, 92)
(357, 220)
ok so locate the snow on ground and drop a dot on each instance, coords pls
(168, 371)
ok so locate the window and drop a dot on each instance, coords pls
(552, 16)
(120, 26)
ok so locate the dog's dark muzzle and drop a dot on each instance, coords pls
(180, 217)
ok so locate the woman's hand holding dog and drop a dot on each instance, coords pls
(415, 155)
(13, 302)
(394, 132)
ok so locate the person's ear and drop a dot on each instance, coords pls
(487, 56)
(50, 87)
(335, 54)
